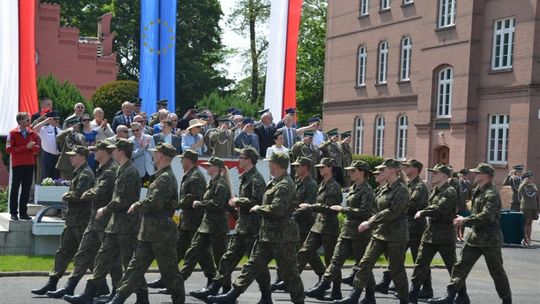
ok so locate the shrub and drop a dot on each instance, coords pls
(110, 96)
(219, 104)
(373, 162)
(5, 155)
(64, 95)
(3, 199)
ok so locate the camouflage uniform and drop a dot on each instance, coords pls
(332, 150)
(156, 239)
(347, 159)
(66, 141)
(301, 149)
(465, 191)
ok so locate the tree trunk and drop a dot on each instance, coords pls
(253, 51)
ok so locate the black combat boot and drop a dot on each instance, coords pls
(427, 290)
(142, 297)
(103, 290)
(209, 281)
(507, 300)
(318, 290)
(228, 298)
(205, 292)
(87, 297)
(448, 299)
(462, 297)
(370, 297)
(68, 289)
(226, 288)
(353, 298)
(404, 300)
(335, 295)
(279, 286)
(49, 286)
(349, 279)
(108, 298)
(382, 286)
(266, 297)
(158, 284)
(117, 299)
(413, 294)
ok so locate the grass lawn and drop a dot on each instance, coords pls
(45, 263)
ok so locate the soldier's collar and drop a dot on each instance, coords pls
(247, 173)
(158, 172)
(394, 184)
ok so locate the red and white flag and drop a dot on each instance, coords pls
(280, 93)
(18, 88)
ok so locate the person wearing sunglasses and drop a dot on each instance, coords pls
(78, 111)
(90, 134)
(142, 157)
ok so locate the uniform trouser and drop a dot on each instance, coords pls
(262, 254)
(308, 253)
(425, 256)
(114, 245)
(69, 243)
(396, 263)
(200, 244)
(494, 261)
(515, 204)
(86, 255)
(183, 243)
(165, 255)
(414, 245)
(344, 249)
(239, 245)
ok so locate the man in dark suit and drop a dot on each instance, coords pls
(288, 112)
(166, 136)
(290, 134)
(126, 118)
(265, 132)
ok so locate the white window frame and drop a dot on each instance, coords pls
(379, 136)
(499, 127)
(445, 84)
(382, 70)
(362, 64)
(364, 7)
(402, 137)
(359, 135)
(447, 13)
(503, 43)
(385, 5)
(406, 55)
(408, 1)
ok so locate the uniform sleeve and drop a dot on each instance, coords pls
(280, 203)
(84, 182)
(419, 198)
(103, 189)
(12, 147)
(445, 205)
(488, 215)
(332, 197)
(366, 207)
(124, 187)
(218, 200)
(257, 192)
(399, 207)
(507, 180)
(156, 196)
(194, 192)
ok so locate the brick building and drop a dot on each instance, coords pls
(453, 81)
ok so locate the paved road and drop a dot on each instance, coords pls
(521, 264)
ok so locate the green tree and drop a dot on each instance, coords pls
(64, 95)
(110, 96)
(220, 103)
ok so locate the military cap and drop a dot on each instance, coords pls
(261, 112)
(332, 132)
(237, 112)
(223, 119)
(215, 161)
(136, 100)
(190, 154)
(81, 150)
(519, 168)
(327, 162)
(122, 144)
(359, 165)
(309, 133)
(389, 163)
(290, 110)
(376, 172)
(442, 168)
(346, 134)
(101, 145)
(230, 110)
(527, 174)
(313, 119)
(249, 152)
(247, 121)
(304, 161)
(279, 158)
(73, 120)
(455, 174)
(202, 115)
(163, 102)
(166, 149)
(464, 171)
(52, 114)
(413, 163)
(484, 168)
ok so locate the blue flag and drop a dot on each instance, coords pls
(167, 55)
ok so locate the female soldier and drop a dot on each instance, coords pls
(530, 205)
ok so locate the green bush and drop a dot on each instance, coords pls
(3, 199)
(219, 104)
(110, 96)
(373, 162)
(5, 155)
(64, 95)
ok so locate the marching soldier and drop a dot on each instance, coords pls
(77, 216)
(513, 179)
(484, 239)
(360, 207)
(121, 231)
(325, 230)
(331, 148)
(390, 233)
(347, 153)
(465, 188)
(439, 235)
(157, 235)
(99, 195)
(306, 148)
(278, 236)
(67, 140)
(251, 193)
(221, 139)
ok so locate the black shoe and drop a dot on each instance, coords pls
(228, 298)
(462, 297)
(164, 291)
(25, 217)
(14, 217)
(392, 288)
(448, 299)
(507, 300)
(334, 295)
(49, 286)
(318, 290)
(68, 289)
(117, 299)
(205, 292)
(156, 284)
(87, 297)
(266, 297)
(142, 297)
(103, 290)
(404, 301)
(369, 298)
(278, 286)
(353, 298)
(413, 295)
(349, 279)
(108, 298)
(382, 286)
(427, 290)
(226, 288)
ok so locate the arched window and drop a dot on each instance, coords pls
(403, 126)
(362, 62)
(383, 63)
(406, 50)
(379, 136)
(444, 92)
(359, 135)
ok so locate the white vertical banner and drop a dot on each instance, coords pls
(277, 45)
(9, 64)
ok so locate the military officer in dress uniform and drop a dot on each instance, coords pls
(331, 148)
(221, 139)
(530, 205)
(154, 118)
(306, 148)
(513, 179)
(347, 153)
(483, 239)
(77, 216)
(67, 140)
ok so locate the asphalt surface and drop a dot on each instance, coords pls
(522, 266)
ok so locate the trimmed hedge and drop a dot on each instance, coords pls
(110, 96)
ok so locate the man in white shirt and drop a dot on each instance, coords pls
(47, 130)
(319, 136)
